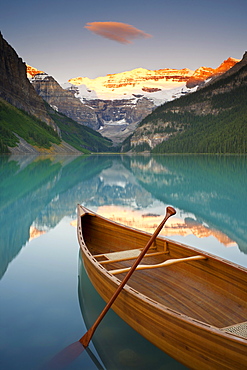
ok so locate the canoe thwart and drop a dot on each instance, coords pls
(239, 329)
(165, 263)
(113, 256)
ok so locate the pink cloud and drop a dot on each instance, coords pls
(117, 31)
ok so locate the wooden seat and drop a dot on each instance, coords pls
(124, 255)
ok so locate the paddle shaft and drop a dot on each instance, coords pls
(170, 211)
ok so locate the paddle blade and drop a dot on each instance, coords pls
(65, 357)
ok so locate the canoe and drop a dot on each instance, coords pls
(190, 304)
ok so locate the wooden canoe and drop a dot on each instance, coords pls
(193, 305)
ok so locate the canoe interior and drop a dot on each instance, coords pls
(211, 290)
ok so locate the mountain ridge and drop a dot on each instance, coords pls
(115, 104)
(161, 85)
(143, 81)
(202, 74)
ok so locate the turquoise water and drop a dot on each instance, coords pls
(46, 300)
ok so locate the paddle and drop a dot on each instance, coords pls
(88, 335)
(67, 355)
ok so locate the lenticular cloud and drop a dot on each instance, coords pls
(120, 32)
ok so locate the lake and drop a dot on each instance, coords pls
(47, 301)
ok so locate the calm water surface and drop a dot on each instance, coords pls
(46, 299)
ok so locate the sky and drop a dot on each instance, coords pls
(77, 38)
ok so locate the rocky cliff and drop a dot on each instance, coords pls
(125, 111)
(63, 101)
(119, 118)
(15, 87)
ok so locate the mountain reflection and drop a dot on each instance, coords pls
(211, 187)
(37, 192)
(174, 226)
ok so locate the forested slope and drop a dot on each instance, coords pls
(210, 120)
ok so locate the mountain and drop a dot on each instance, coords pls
(211, 120)
(115, 104)
(28, 124)
(203, 74)
(159, 85)
(114, 119)
(82, 110)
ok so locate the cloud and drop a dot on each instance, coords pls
(117, 31)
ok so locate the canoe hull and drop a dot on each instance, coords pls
(193, 343)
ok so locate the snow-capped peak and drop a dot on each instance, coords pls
(32, 72)
(159, 85)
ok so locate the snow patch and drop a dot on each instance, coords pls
(39, 77)
(54, 107)
(115, 123)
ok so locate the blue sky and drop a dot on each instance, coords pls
(50, 35)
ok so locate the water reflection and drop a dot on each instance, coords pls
(213, 188)
(37, 192)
